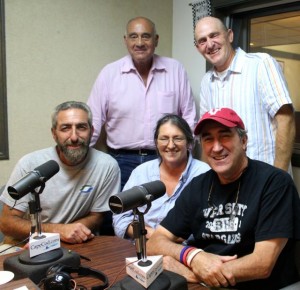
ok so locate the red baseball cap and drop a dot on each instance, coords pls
(224, 116)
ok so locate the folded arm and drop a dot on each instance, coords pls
(215, 270)
(163, 242)
(14, 224)
(257, 265)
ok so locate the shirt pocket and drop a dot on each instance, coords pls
(167, 102)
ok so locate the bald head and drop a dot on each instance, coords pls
(141, 40)
(209, 20)
(213, 41)
(141, 19)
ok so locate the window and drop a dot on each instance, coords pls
(279, 35)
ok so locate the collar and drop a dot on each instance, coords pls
(185, 173)
(236, 65)
(128, 65)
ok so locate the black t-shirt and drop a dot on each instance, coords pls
(228, 219)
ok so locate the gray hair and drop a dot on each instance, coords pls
(72, 105)
(241, 132)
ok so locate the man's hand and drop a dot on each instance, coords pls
(75, 233)
(171, 264)
(209, 269)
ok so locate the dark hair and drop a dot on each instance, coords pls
(178, 122)
(72, 105)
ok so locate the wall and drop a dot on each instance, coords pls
(54, 51)
(183, 45)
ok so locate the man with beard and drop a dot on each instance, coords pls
(74, 199)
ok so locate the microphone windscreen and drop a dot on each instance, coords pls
(155, 188)
(136, 196)
(47, 170)
(33, 179)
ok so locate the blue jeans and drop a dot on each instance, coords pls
(128, 162)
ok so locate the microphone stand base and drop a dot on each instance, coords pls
(165, 281)
(47, 257)
(144, 272)
(35, 268)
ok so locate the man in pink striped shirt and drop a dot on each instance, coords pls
(131, 94)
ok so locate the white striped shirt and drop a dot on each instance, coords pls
(255, 88)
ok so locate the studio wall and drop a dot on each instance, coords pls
(54, 52)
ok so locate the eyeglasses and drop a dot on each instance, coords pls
(175, 140)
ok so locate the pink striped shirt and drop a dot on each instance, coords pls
(130, 110)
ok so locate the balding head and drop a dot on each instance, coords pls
(213, 41)
(141, 19)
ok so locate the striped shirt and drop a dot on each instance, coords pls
(130, 110)
(254, 87)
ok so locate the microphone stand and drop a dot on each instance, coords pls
(141, 235)
(35, 208)
(36, 267)
(162, 282)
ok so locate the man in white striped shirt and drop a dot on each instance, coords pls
(253, 85)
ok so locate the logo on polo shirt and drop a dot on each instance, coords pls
(86, 189)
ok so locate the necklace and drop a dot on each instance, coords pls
(215, 208)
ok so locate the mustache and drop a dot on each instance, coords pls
(79, 142)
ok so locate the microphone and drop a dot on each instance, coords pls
(136, 196)
(143, 271)
(43, 248)
(35, 178)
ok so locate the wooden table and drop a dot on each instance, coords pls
(107, 254)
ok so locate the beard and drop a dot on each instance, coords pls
(74, 156)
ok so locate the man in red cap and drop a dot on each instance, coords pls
(243, 214)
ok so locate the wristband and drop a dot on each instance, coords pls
(182, 253)
(192, 256)
(187, 251)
